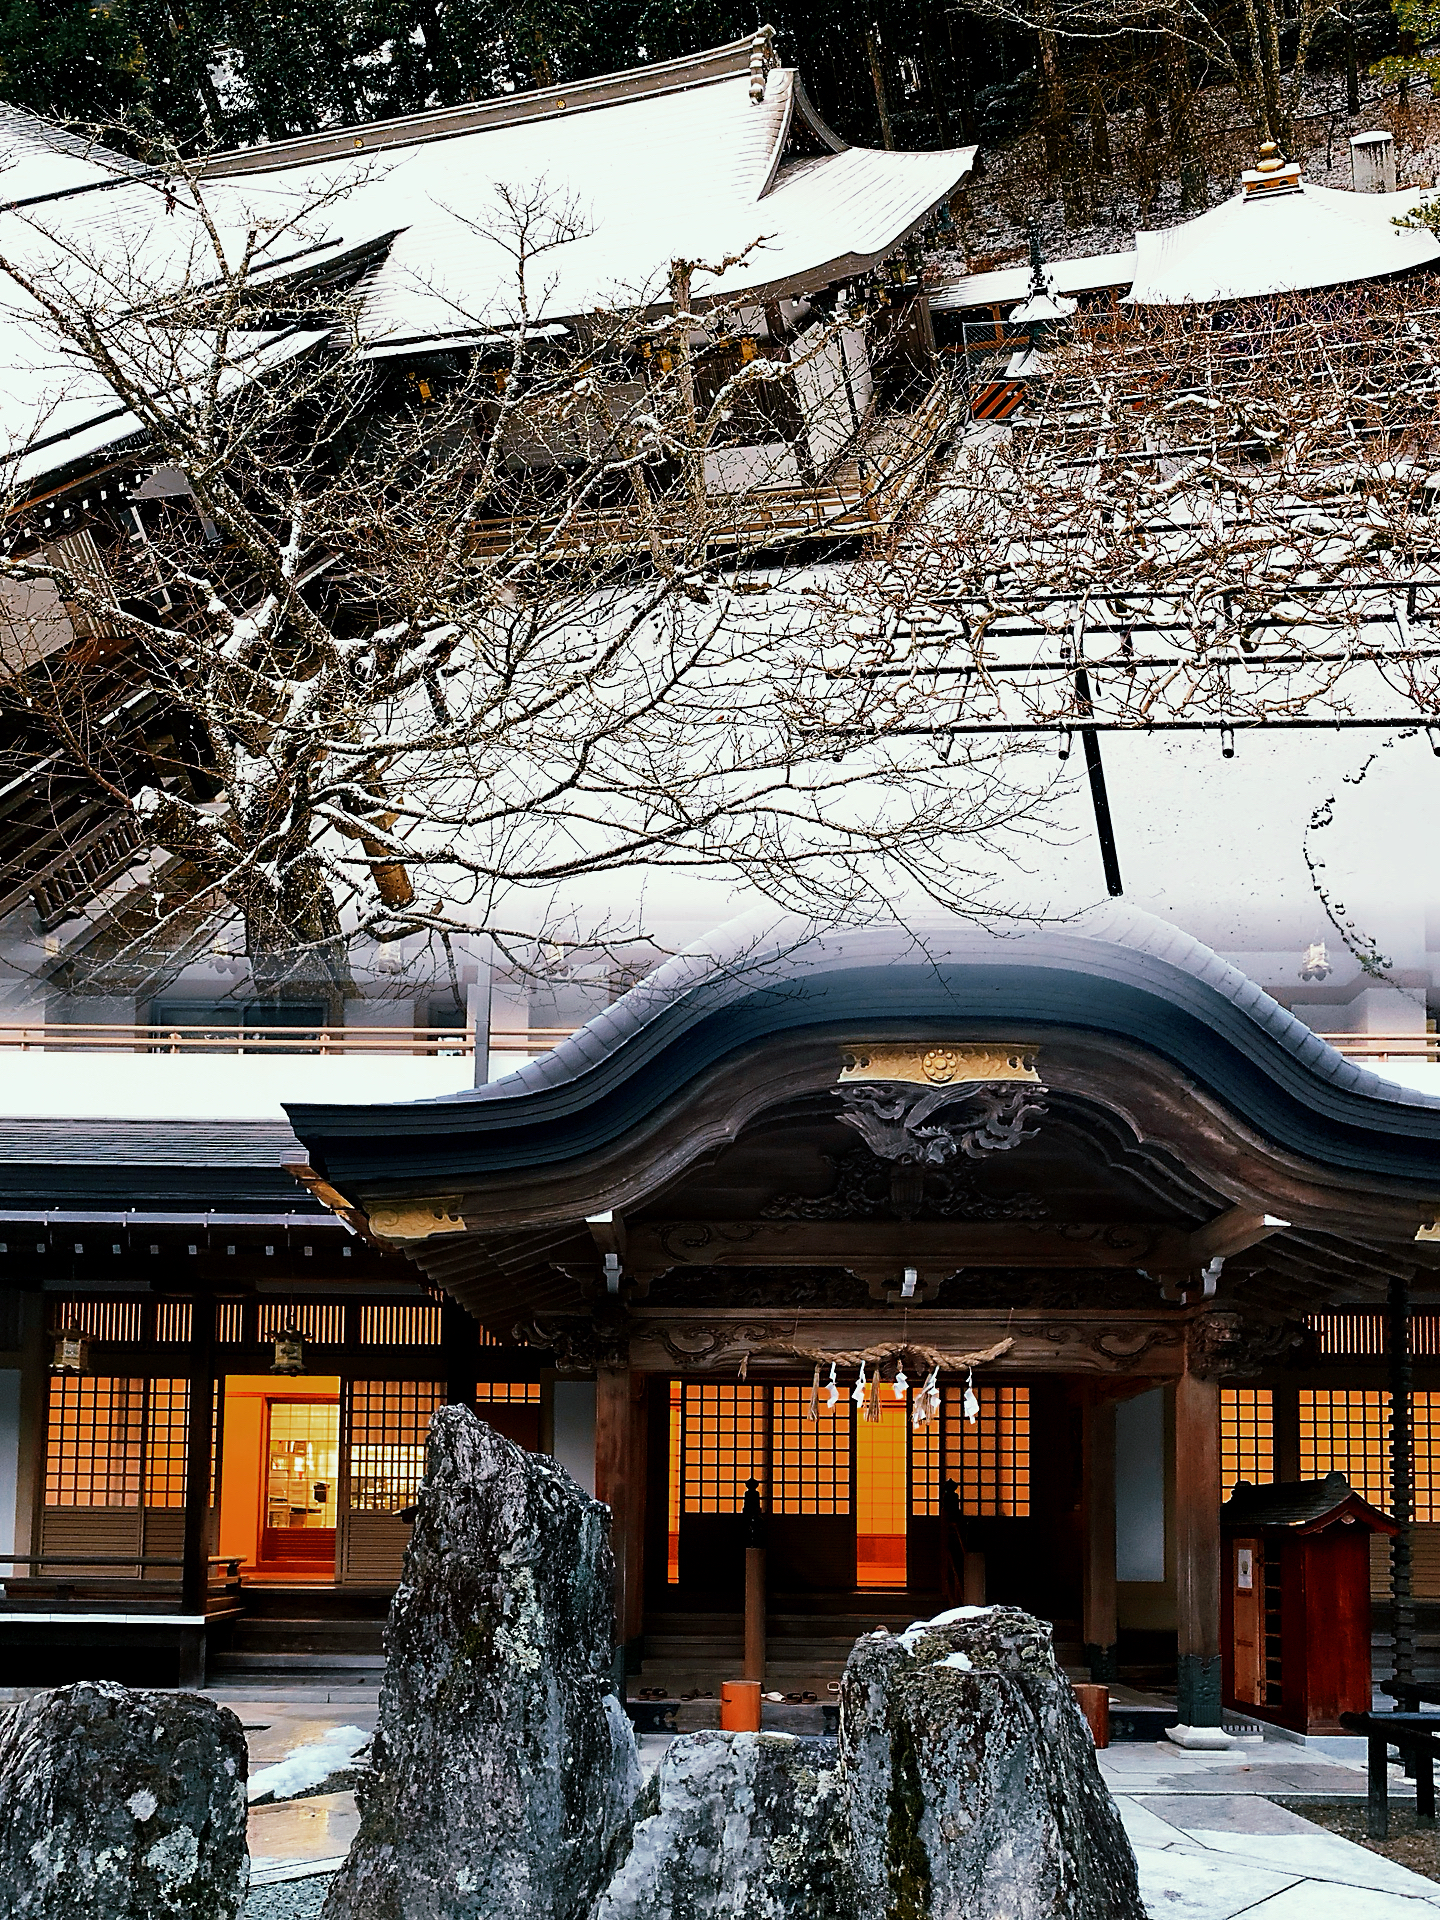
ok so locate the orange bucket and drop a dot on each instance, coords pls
(740, 1706)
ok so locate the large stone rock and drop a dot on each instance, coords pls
(970, 1781)
(748, 1827)
(118, 1804)
(504, 1770)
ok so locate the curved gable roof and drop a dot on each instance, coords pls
(1117, 972)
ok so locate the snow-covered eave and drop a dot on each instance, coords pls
(110, 427)
(1115, 972)
(561, 102)
(1138, 296)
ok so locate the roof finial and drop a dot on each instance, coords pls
(1272, 174)
(1037, 260)
(762, 58)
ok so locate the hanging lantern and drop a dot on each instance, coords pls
(72, 1351)
(289, 1351)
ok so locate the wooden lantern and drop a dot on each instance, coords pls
(1295, 1601)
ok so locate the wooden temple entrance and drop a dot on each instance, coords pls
(1066, 1192)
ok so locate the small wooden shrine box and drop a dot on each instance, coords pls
(1295, 1601)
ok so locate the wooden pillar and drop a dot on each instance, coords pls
(1285, 1408)
(34, 1389)
(195, 1574)
(1197, 1549)
(460, 1344)
(1402, 1487)
(620, 1454)
(1100, 1633)
(634, 1619)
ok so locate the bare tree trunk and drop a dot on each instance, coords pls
(680, 276)
(877, 74)
(1352, 70)
(1049, 123)
(932, 85)
(1152, 143)
(1060, 150)
(1102, 160)
(960, 66)
(1180, 102)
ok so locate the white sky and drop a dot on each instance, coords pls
(1214, 845)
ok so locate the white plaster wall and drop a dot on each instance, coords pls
(575, 1430)
(1140, 1487)
(9, 1463)
(217, 1086)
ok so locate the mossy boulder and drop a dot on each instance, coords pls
(744, 1826)
(121, 1803)
(505, 1770)
(969, 1779)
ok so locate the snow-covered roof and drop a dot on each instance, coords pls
(85, 223)
(692, 159)
(1280, 242)
(1003, 286)
(1115, 970)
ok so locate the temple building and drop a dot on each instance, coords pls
(986, 1265)
(1083, 1227)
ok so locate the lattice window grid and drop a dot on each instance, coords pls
(809, 1462)
(723, 1445)
(990, 1461)
(1247, 1437)
(385, 1452)
(400, 1325)
(320, 1325)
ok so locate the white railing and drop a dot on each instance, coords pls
(97, 1037)
(108, 1037)
(1386, 1046)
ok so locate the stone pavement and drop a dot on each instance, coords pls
(296, 1844)
(1210, 1844)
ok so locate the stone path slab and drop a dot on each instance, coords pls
(318, 1828)
(1234, 1856)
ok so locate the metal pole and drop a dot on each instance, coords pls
(1402, 1490)
(1100, 799)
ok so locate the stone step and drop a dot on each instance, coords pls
(307, 1636)
(296, 1663)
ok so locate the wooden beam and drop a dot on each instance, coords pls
(199, 1428)
(607, 1230)
(1197, 1549)
(1131, 1345)
(1230, 1233)
(862, 1245)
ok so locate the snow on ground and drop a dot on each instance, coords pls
(310, 1765)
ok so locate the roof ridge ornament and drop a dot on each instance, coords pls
(890, 1093)
(1272, 174)
(762, 58)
